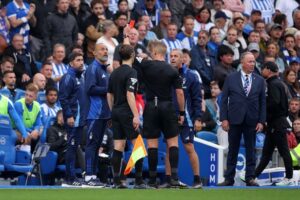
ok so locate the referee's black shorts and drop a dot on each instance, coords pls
(122, 125)
(159, 119)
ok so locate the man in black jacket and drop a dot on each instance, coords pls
(60, 27)
(277, 112)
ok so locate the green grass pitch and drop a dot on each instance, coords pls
(175, 194)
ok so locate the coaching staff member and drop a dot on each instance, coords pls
(243, 111)
(277, 112)
(125, 117)
(159, 115)
(71, 97)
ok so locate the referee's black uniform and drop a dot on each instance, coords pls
(277, 112)
(159, 78)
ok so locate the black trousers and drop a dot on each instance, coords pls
(276, 137)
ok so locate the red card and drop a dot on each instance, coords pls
(131, 23)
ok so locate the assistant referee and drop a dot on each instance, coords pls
(159, 115)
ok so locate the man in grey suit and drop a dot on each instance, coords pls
(243, 112)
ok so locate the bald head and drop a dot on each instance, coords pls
(39, 80)
(101, 53)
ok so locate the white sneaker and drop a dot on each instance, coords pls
(286, 182)
(242, 176)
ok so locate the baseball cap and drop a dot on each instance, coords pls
(221, 14)
(295, 60)
(271, 66)
(253, 47)
(255, 11)
(276, 26)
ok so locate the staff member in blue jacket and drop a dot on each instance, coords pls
(193, 113)
(72, 100)
(98, 114)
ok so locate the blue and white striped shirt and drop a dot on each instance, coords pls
(171, 44)
(265, 6)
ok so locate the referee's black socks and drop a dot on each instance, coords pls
(173, 158)
(116, 164)
(152, 161)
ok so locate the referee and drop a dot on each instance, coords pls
(159, 115)
(125, 117)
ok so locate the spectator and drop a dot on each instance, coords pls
(260, 26)
(289, 50)
(203, 61)
(234, 5)
(254, 37)
(239, 25)
(273, 51)
(294, 107)
(121, 22)
(29, 110)
(177, 9)
(232, 42)
(290, 79)
(124, 8)
(109, 30)
(140, 51)
(287, 9)
(150, 8)
(142, 29)
(24, 67)
(281, 20)
(186, 58)
(275, 33)
(193, 8)
(265, 6)
(297, 40)
(94, 28)
(50, 108)
(57, 138)
(224, 68)
(218, 5)
(4, 24)
(81, 11)
(59, 68)
(80, 40)
(170, 41)
(208, 123)
(188, 37)
(255, 15)
(295, 65)
(47, 70)
(20, 14)
(150, 34)
(202, 21)
(40, 81)
(7, 64)
(37, 46)
(296, 129)
(107, 12)
(296, 19)
(55, 33)
(221, 21)
(160, 30)
(215, 40)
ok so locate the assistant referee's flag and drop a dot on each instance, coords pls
(138, 152)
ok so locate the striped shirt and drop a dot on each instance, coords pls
(58, 71)
(14, 10)
(171, 44)
(265, 6)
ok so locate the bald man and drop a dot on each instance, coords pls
(132, 36)
(40, 80)
(98, 114)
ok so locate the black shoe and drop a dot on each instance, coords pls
(177, 184)
(152, 185)
(252, 182)
(140, 186)
(226, 183)
(165, 185)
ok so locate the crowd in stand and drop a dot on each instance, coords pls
(38, 37)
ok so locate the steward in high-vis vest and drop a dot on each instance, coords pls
(29, 111)
(7, 109)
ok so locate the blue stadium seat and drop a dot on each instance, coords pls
(208, 136)
(12, 160)
(50, 121)
(41, 97)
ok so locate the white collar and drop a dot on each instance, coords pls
(24, 7)
(244, 74)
